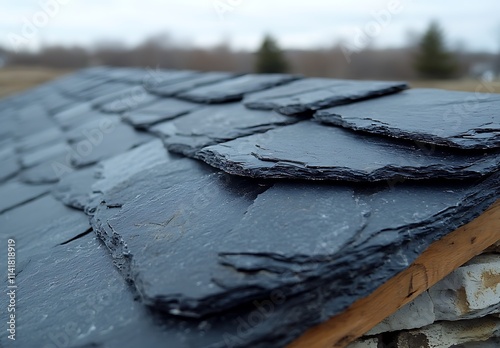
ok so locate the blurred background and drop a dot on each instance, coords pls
(447, 44)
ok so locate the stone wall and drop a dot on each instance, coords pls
(461, 311)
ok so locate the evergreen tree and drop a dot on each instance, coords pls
(433, 60)
(270, 58)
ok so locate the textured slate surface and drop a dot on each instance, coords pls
(312, 94)
(457, 119)
(75, 188)
(213, 260)
(235, 89)
(107, 142)
(215, 124)
(15, 193)
(40, 225)
(162, 110)
(10, 165)
(322, 224)
(308, 150)
(173, 89)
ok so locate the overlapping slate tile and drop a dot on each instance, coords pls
(85, 130)
(457, 119)
(15, 193)
(130, 100)
(120, 168)
(75, 115)
(41, 154)
(309, 150)
(382, 236)
(316, 93)
(75, 188)
(106, 315)
(234, 258)
(40, 225)
(235, 89)
(172, 89)
(107, 142)
(50, 170)
(45, 137)
(9, 163)
(161, 110)
(215, 124)
(181, 203)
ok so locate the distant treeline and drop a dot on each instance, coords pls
(368, 63)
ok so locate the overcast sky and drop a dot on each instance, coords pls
(242, 23)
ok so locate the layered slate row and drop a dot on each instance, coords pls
(288, 222)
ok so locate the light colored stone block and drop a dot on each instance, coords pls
(448, 334)
(416, 314)
(472, 291)
(371, 342)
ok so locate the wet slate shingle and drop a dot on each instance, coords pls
(75, 188)
(235, 89)
(9, 163)
(170, 90)
(161, 110)
(308, 95)
(165, 213)
(214, 124)
(308, 150)
(105, 142)
(40, 225)
(456, 119)
(15, 193)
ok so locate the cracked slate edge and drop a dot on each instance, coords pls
(308, 150)
(106, 314)
(350, 275)
(286, 273)
(441, 126)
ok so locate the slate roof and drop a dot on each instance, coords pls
(230, 210)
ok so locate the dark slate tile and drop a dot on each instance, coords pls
(43, 138)
(173, 89)
(103, 91)
(74, 189)
(9, 163)
(161, 110)
(162, 222)
(456, 119)
(50, 170)
(312, 94)
(118, 169)
(13, 194)
(40, 225)
(41, 154)
(334, 233)
(130, 101)
(95, 124)
(216, 124)
(311, 151)
(107, 142)
(81, 301)
(77, 115)
(235, 89)
(8, 124)
(124, 99)
(391, 228)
